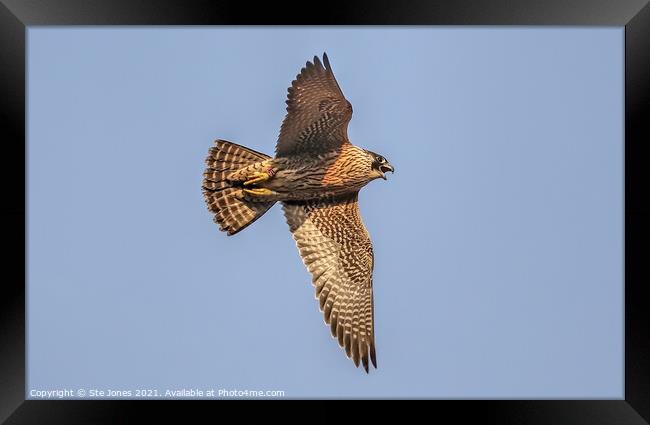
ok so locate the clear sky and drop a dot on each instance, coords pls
(498, 241)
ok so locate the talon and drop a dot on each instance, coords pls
(259, 191)
(258, 177)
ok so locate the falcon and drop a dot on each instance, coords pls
(316, 174)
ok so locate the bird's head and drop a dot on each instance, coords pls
(380, 166)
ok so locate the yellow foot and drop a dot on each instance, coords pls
(258, 177)
(259, 191)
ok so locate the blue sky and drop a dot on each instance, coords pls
(498, 242)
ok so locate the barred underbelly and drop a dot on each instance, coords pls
(309, 185)
(323, 192)
(309, 177)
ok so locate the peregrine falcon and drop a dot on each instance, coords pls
(316, 174)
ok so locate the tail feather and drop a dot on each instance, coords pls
(225, 199)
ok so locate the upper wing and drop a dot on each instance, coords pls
(336, 248)
(317, 112)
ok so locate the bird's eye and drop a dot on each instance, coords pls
(381, 159)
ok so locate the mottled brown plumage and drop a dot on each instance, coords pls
(336, 248)
(317, 113)
(317, 174)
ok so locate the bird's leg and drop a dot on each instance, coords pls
(258, 177)
(260, 191)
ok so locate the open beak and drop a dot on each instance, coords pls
(384, 168)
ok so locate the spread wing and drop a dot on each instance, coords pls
(317, 112)
(336, 248)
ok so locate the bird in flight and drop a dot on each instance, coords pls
(316, 174)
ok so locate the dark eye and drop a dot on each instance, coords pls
(381, 159)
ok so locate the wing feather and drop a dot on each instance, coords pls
(336, 249)
(317, 112)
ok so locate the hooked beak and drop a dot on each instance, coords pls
(384, 168)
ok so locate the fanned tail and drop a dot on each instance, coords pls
(232, 212)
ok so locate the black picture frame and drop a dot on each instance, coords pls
(634, 15)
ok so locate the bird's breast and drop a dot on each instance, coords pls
(321, 177)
